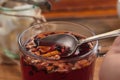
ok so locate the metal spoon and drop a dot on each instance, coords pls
(71, 41)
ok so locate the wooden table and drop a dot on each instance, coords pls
(13, 72)
(82, 9)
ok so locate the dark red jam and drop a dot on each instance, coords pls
(56, 68)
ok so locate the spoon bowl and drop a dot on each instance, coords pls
(72, 42)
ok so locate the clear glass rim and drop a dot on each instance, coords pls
(40, 57)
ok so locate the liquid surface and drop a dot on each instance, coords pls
(50, 50)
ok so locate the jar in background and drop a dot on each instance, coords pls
(14, 18)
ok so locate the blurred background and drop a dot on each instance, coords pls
(16, 15)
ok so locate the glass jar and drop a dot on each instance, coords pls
(40, 68)
(15, 17)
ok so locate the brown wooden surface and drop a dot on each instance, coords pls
(82, 9)
(68, 5)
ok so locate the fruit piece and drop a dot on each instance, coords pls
(44, 49)
(52, 53)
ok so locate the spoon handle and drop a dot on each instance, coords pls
(101, 36)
